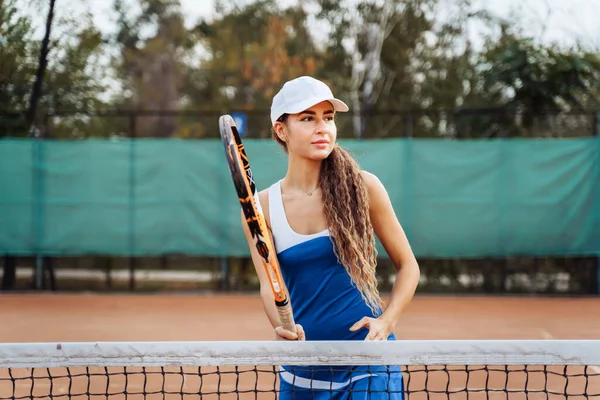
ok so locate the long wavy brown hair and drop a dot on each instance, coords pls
(346, 209)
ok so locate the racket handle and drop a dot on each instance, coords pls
(286, 317)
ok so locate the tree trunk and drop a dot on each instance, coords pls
(366, 69)
(43, 62)
(376, 34)
(357, 77)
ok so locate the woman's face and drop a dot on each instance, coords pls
(310, 134)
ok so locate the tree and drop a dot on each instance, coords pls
(251, 51)
(16, 69)
(152, 68)
(361, 31)
(57, 73)
(445, 72)
(42, 65)
(378, 61)
(539, 81)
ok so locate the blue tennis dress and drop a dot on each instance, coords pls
(326, 304)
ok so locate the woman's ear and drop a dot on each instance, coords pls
(280, 131)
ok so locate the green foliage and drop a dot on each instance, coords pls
(251, 51)
(241, 57)
(72, 80)
(17, 68)
(539, 78)
(152, 68)
(17, 53)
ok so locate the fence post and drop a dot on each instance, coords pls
(38, 136)
(596, 133)
(132, 257)
(409, 124)
(47, 261)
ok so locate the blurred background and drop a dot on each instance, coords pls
(481, 118)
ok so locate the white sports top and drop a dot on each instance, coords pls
(283, 234)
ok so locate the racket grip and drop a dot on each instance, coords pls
(286, 317)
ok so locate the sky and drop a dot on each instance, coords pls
(565, 20)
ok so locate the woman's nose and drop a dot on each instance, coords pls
(322, 126)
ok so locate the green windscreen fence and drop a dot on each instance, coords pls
(151, 197)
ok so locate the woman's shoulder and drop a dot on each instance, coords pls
(371, 180)
(263, 198)
(375, 187)
(263, 195)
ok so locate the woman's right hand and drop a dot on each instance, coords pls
(284, 334)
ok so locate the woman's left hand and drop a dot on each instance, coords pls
(379, 329)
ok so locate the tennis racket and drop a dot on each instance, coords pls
(248, 197)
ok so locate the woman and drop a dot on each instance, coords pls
(322, 217)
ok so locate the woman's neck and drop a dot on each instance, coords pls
(302, 174)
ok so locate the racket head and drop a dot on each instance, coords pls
(245, 187)
(234, 150)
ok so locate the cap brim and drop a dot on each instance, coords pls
(337, 104)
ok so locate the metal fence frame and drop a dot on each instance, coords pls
(43, 131)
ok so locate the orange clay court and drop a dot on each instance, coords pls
(137, 317)
(203, 317)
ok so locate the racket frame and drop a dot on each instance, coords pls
(247, 193)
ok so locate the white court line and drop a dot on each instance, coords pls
(547, 336)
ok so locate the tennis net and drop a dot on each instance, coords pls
(456, 369)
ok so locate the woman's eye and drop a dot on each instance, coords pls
(308, 119)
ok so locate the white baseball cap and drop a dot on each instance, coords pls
(300, 94)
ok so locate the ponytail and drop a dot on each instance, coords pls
(346, 209)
